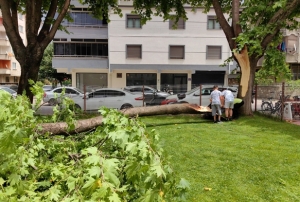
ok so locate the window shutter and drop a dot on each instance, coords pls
(176, 52)
(180, 24)
(134, 51)
(214, 52)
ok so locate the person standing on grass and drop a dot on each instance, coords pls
(228, 105)
(215, 99)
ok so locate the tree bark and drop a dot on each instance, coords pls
(90, 124)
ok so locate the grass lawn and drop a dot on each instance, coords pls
(249, 159)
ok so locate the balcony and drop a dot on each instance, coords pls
(4, 42)
(2, 29)
(3, 70)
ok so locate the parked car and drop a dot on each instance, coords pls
(53, 96)
(152, 95)
(9, 90)
(193, 96)
(11, 86)
(110, 98)
(47, 88)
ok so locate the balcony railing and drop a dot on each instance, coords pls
(3, 70)
(4, 41)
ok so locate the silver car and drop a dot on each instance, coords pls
(9, 90)
(193, 96)
(110, 98)
(53, 96)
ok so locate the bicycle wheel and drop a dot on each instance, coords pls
(266, 108)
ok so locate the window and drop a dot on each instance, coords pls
(133, 21)
(84, 18)
(176, 52)
(20, 16)
(21, 28)
(214, 52)
(119, 75)
(212, 23)
(134, 51)
(113, 93)
(180, 24)
(83, 49)
(14, 65)
(295, 69)
(7, 79)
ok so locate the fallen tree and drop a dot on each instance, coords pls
(89, 124)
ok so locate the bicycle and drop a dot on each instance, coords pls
(267, 107)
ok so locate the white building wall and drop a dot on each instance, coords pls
(155, 38)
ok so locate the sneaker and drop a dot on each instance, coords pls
(219, 122)
(230, 119)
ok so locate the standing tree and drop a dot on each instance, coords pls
(43, 19)
(252, 29)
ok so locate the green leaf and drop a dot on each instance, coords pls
(94, 171)
(14, 178)
(114, 198)
(2, 181)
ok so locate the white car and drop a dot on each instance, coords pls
(53, 96)
(193, 96)
(110, 98)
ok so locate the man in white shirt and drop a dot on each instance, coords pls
(215, 99)
(228, 99)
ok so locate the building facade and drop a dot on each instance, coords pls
(124, 52)
(10, 70)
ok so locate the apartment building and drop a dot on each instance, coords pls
(10, 70)
(124, 52)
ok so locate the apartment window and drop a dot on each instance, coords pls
(180, 24)
(14, 65)
(84, 18)
(212, 22)
(7, 79)
(21, 28)
(87, 49)
(176, 52)
(214, 52)
(20, 16)
(133, 21)
(16, 79)
(134, 51)
(295, 69)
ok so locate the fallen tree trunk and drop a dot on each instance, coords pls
(89, 124)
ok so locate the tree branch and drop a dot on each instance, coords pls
(10, 22)
(280, 16)
(227, 29)
(284, 12)
(48, 21)
(56, 23)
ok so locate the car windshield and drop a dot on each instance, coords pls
(192, 91)
(80, 91)
(8, 90)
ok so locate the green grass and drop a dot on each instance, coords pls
(249, 159)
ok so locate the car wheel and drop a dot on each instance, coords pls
(52, 102)
(126, 106)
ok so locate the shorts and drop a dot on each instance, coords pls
(228, 105)
(216, 108)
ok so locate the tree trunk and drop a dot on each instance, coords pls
(246, 80)
(89, 124)
(29, 71)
